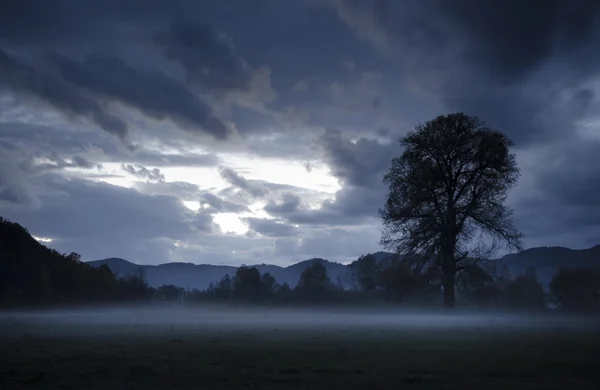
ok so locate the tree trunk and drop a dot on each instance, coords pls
(448, 274)
(449, 289)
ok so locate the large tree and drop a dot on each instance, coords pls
(447, 192)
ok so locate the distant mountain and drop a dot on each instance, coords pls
(546, 261)
(555, 256)
(201, 275)
(333, 269)
(31, 273)
(380, 256)
(117, 266)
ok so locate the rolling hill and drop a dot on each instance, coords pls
(546, 261)
(201, 275)
(32, 267)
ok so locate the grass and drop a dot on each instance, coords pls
(226, 350)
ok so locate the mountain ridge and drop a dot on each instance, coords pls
(546, 261)
(201, 275)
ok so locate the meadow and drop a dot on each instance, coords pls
(236, 348)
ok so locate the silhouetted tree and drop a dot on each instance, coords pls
(133, 287)
(268, 286)
(314, 284)
(31, 273)
(524, 292)
(224, 288)
(247, 284)
(11, 296)
(367, 273)
(283, 293)
(576, 289)
(449, 184)
(74, 257)
(401, 278)
(482, 281)
(169, 292)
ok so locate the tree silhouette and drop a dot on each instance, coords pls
(247, 284)
(223, 288)
(446, 190)
(268, 286)
(314, 284)
(169, 292)
(31, 273)
(576, 289)
(525, 291)
(367, 273)
(282, 293)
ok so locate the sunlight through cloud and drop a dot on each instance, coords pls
(42, 239)
(230, 223)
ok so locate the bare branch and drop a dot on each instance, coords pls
(450, 182)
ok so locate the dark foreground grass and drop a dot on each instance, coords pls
(263, 353)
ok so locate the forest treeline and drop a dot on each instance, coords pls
(32, 274)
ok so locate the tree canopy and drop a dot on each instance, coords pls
(446, 195)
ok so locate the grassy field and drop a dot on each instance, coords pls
(225, 349)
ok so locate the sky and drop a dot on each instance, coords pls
(258, 131)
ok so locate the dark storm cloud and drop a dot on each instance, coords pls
(115, 211)
(19, 166)
(141, 172)
(101, 220)
(84, 88)
(219, 204)
(560, 204)
(43, 21)
(512, 38)
(45, 86)
(203, 222)
(351, 206)
(57, 162)
(15, 189)
(271, 228)
(50, 22)
(290, 203)
(573, 178)
(254, 188)
(208, 58)
(280, 72)
(359, 164)
(155, 94)
(505, 61)
(47, 138)
(103, 34)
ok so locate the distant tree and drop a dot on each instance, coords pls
(139, 274)
(104, 285)
(400, 279)
(268, 286)
(11, 296)
(524, 292)
(247, 284)
(483, 282)
(74, 257)
(576, 289)
(367, 273)
(447, 188)
(169, 292)
(314, 284)
(224, 288)
(134, 286)
(283, 293)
